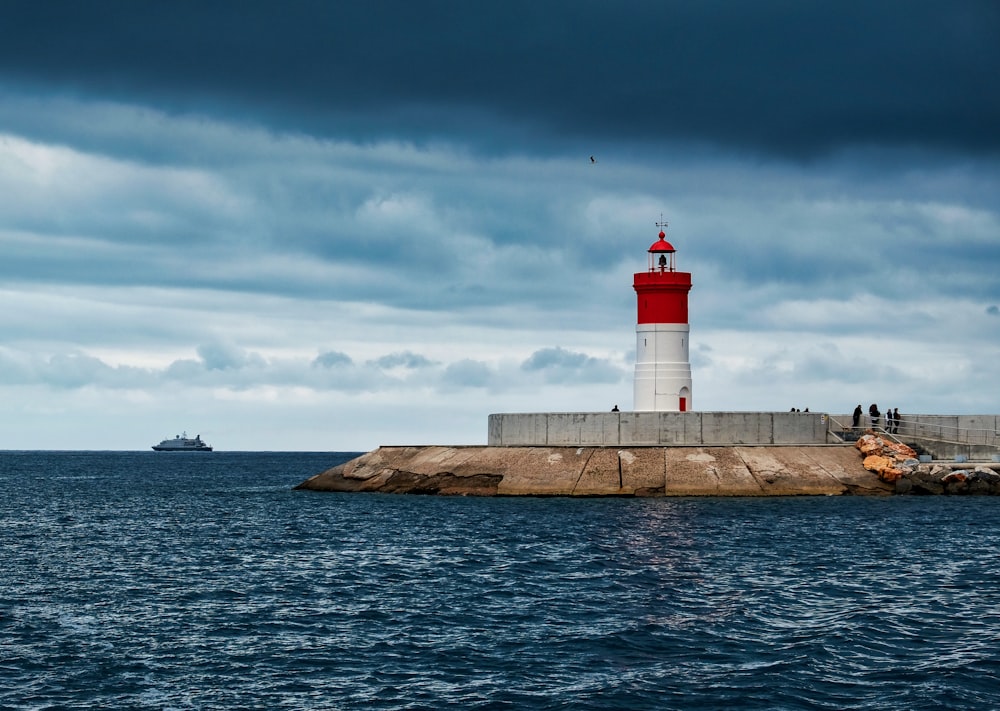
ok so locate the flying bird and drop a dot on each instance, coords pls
(592, 159)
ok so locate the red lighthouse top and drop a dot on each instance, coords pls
(662, 290)
(661, 245)
(662, 248)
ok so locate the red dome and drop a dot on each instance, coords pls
(661, 245)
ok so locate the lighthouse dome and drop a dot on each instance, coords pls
(661, 245)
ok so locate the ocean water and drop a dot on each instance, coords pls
(202, 581)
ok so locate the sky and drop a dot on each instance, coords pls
(319, 226)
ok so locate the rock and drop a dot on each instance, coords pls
(979, 486)
(892, 474)
(956, 487)
(885, 467)
(925, 482)
(981, 481)
(958, 476)
(987, 475)
(939, 470)
(890, 460)
(869, 444)
(899, 451)
(876, 463)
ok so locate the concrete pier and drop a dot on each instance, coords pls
(605, 471)
(666, 454)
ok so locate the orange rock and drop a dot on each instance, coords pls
(877, 463)
(873, 445)
(869, 445)
(884, 467)
(901, 451)
(891, 474)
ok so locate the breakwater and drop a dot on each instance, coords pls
(676, 454)
(606, 471)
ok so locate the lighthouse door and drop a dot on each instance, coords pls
(683, 404)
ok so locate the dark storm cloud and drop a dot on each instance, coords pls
(793, 78)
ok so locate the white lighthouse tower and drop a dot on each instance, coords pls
(662, 366)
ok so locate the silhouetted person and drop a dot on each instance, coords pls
(874, 414)
(856, 422)
(614, 409)
(888, 420)
(895, 421)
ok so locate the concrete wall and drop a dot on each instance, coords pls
(949, 450)
(644, 429)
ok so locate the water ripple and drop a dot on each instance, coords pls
(196, 583)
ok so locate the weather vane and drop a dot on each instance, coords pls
(662, 224)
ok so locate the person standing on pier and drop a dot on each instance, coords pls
(856, 422)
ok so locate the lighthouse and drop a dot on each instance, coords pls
(662, 367)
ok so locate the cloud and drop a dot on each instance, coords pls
(468, 373)
(332, 359)
(68, 371)
(558, 365)
(403, 359)
(223, 356)
(802, 79)
(254, 232)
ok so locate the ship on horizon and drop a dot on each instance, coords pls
(183, 443)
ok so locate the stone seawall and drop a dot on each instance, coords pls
(605, 471)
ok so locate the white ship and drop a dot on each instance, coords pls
(183, 443)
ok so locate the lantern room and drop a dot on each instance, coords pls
(661, 255)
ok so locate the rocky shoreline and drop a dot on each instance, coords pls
(898, 464)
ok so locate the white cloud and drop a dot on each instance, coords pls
(278, 288)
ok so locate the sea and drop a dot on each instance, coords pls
(144, 580)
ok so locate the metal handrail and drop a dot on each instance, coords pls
(932, 431)
(948, 433)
